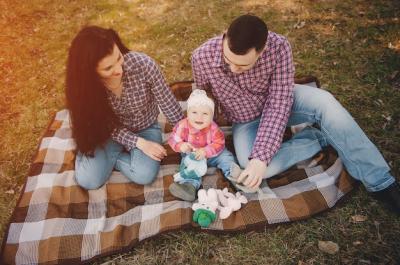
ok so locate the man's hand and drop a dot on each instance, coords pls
(152, 149)
(185, 148)
(200, 154)
(252, 175)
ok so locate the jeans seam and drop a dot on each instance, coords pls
(330, 137)
(129, 166)
(341, 149)
(133, 162)
(384, 185)
(296, 147)
(123, 162)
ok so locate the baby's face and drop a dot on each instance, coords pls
(200, 117)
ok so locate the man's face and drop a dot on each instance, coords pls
(239, 63)
(199, 117)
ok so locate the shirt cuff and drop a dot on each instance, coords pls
(125, 137)
(266, 157)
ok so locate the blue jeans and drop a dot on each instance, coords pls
(93, 172)
(359, 155)
(222, 161)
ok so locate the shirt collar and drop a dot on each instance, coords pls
(218, 61)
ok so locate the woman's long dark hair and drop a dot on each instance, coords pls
(92, 117)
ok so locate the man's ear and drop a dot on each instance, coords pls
(210, 95)
(209, 92)
(265, 46)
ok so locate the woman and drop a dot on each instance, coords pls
(114, 96)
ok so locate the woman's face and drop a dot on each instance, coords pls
(110, 67)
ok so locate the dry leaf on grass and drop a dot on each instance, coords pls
(393, 75)
(299, 25)
(358, 218)
(328, 247)
(395, 46)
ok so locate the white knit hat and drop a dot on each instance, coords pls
(198, 97)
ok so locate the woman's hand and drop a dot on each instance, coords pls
(152, 149)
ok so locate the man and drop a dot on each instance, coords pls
(251, 74)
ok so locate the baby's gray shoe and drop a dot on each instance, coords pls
(184, 191)
(235, 171)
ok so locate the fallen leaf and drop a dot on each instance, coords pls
(376, 223)
(357, 243)
(359, 218)
(388, 118)
(299, 24)
(395, 46)
(328, 247)
(393, 75)
(10, 192)
(379, 102)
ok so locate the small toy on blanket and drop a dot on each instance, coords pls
(211, 200)
(190, 171)
(229, 202)
(205, 208)
(191, 168)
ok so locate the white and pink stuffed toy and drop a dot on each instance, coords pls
(215, 199)
(205, 208)
(229, 202)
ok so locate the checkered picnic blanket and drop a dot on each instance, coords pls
(57, 222)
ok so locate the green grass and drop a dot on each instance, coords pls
(344, 43)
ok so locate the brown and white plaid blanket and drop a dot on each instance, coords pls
(57, 222)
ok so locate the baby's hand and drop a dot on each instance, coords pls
(200, 154)
(185, 148)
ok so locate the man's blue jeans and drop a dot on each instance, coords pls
(337, 128)
(93, 172)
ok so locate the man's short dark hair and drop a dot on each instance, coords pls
(247, 32)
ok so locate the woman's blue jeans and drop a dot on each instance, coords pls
(337, 128)
(93, 172)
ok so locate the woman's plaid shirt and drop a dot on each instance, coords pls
(144, 93)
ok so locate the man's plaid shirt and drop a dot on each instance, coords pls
(144, 92)
(265, 90)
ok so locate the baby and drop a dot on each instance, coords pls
(202, 144)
